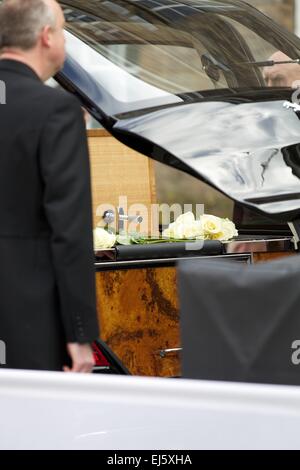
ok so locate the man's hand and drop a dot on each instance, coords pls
(82, 358)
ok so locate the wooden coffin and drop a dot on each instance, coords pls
(137, 301)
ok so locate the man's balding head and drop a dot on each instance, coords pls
(282, 75)
(21, 21)
(33, 29)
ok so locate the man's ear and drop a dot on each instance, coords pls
(46, 36)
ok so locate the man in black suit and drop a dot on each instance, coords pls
(47, 280)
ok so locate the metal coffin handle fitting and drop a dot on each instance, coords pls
(109, 217)
(169, 352)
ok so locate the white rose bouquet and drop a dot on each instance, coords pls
(185, 227)
(208, 227)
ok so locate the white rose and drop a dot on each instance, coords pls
(178, 230)
(185, 219)
(169, 232)
(211, 225)
(166, 233)
(228, 230)
(183, 227)
(103, 239)
(195, 230)
(183, 231)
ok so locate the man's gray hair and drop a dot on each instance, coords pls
(21, 21)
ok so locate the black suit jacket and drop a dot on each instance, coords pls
(47, 277)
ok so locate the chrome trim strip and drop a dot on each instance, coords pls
(103, 265)
(259, 246)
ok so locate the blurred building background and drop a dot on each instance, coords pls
(176, 187)
(282, 11)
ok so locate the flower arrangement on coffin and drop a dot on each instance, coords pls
(185, 227)
(207, 227)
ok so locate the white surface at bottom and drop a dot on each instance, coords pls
(46, 410)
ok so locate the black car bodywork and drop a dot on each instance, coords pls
(183, 83)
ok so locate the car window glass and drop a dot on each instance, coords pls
(90, 121)
(146, 53)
